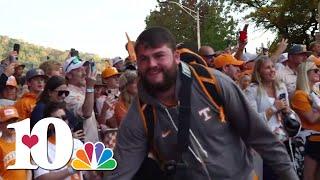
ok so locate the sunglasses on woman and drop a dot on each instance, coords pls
(60, 93)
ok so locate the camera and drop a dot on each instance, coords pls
(92, 65)
(74, 52)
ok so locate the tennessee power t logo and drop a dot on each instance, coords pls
(35, 145)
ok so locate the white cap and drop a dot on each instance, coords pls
(116, 60)
(283, 57)
(249, 57)
(72, 63)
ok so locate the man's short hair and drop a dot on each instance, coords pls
(155, 37)
(312, 44)
(49, 66)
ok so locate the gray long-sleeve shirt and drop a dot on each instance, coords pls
(220, 150)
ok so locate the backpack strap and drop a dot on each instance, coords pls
(148, 117)
(210, 86)
(184, 97)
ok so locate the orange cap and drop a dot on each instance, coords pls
(8, 113)
(226, 59)
(12, 82)
(109, 71)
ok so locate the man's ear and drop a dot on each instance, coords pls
(29, 83)
(69, 75)
(225, 68)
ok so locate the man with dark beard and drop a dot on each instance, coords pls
(216, 148)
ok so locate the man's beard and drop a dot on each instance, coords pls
(169, 80)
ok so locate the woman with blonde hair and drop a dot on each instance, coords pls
(269, 97)
(306, 102)
(128, 88)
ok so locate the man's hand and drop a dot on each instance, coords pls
(282, 46)
(242, 45)
(91, 79)
(9, 69)
(280, 104)
(78, 135)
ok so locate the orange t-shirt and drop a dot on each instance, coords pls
(25, 105)
(300, 101)
(8, 157)
(120, 111)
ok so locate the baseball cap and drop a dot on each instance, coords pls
(249, 57)
(34, 73)
(298, 49)
(11, 81)
(72, 63)
(116, 60)
(109, 71)
(8, 113)
(283, 57)
(226, 59)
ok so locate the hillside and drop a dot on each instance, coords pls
(32, 55)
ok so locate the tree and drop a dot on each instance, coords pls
(218, 27)
(32, 55)
(292, 19)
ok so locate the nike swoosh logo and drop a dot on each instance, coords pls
(164, 134)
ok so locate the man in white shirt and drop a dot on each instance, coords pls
(80, 101)
(288, 74)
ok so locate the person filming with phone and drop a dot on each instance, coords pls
(270, 98)
(80, 100)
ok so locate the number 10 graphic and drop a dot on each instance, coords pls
(36, 144)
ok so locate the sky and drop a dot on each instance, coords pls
(96, 26)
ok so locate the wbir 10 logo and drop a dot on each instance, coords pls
(35, 145)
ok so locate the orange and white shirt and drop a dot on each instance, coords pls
(8, 157)
(301, 101)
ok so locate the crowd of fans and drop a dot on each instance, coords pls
(94, 103)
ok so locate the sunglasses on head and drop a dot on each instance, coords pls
(64, 117)
(210, 56)
(60, 93)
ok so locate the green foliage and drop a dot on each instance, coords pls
(216, 25)
(292, 19)
(33, 55)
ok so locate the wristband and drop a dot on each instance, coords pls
(71, 170)
(90, 90)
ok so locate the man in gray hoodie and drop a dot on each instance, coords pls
(218, 148)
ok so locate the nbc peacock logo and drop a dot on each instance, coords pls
(94, 157)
